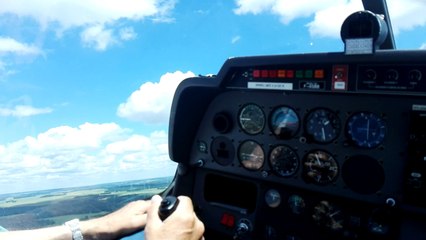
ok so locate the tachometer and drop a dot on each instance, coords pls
(320, 167)
(284, 161)
(251, 155)
(322, 125)
(252, 119)
(284, 122)
(366, 129)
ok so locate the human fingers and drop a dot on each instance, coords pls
(185, 205)
(132, 217)
(153, 210)
(185, 213)
(198, 229)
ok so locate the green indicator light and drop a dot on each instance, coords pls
(299, 74)
(309, 74)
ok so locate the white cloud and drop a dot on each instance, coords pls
(327, 22)
(23, 111)
(12, 46)
(151, 103)
(253, 6)
(330, 14)
(407, 14)
(74, 13)
(97, 18)
(77, 154)
(423, 46)
(98, 37)
(127, 33)
(12, 51)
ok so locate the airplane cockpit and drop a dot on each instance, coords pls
(301, 136)
(308, 146)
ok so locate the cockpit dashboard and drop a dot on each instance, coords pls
(305, 146)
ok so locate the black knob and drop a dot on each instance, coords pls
(167, 207)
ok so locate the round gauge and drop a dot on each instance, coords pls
(284, 122)
(251, 155)
(296, 204)
(320, 167)
(366, 129)
(328, 215)
(273, 198)
(284, 160)
(252, 119)
(322, 125)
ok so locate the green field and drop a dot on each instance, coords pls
(53, 207)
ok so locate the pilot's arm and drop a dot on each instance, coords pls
(183, 224)
(125, 221)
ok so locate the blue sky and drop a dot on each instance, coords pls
(86, 86)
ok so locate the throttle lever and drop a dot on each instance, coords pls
(167, 207)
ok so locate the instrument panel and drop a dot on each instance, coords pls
(314, 146)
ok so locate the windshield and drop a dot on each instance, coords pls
(86, 87)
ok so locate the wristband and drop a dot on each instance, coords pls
(74, 226)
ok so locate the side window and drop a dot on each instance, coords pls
(52, 207)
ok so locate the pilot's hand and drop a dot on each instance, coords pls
(123, 222)
(182, 224)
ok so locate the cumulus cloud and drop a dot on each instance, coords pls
(64, 153)
(328, 15)
(96, 18)
(151, 103)
(423, 46)
(23, 111)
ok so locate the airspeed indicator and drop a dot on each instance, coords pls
(252, 119)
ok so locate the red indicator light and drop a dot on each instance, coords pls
(264, 73)
(272, 73)
(339, 79)
(281, 73)
(290, 73)
(227, 220)
(319, 73)
(256, 73)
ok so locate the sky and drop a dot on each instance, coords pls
(86, 85)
